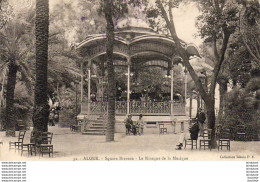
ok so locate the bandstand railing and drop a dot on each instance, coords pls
(136, 107)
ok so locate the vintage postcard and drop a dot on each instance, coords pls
(148, 80)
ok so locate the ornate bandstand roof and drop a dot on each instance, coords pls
(136, 41)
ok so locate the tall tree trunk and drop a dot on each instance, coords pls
(210, 112)
(2, 105)
(209, 98)
(110, 70)
(41, 107)
(222, 92)
(10, 117)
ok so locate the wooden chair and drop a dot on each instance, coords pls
(47, 137)
(75, 128)
(192, 143)
(72, 127)
(224, 140)
(29, 147)
(21, 125)
(241, 133)
(17, 144)
(206, 141)
(46, 147)
(162, 129)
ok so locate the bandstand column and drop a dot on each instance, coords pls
(102, 88)
(171, 91)
(89, 83)
(81, 83)
(128, 85)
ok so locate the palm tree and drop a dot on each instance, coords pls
(41, 107)
(16, 49)
(112, 10)
(110, 70)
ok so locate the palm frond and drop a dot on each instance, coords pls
(26, 79)
(24, 66)
(3, 74)
(3, 65)
(74, 71)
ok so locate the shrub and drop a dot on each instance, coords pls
(240, 109)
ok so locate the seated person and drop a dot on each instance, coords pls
(134, 128)
(128, 124)
(193, 135)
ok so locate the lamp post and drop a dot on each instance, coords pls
(129, 74)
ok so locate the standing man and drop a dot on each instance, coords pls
(140, 124)
(201, 117)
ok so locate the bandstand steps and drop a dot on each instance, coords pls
(97, 127)
(99, 121)
(98, 124)
(93, 133)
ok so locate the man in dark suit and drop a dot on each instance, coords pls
(201, 117)
(193, 134)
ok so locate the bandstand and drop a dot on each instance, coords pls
(136, 46)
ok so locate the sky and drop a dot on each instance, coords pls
(184, 18)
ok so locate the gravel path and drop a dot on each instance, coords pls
(74, 146)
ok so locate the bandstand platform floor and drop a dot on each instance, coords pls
(151, 122)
